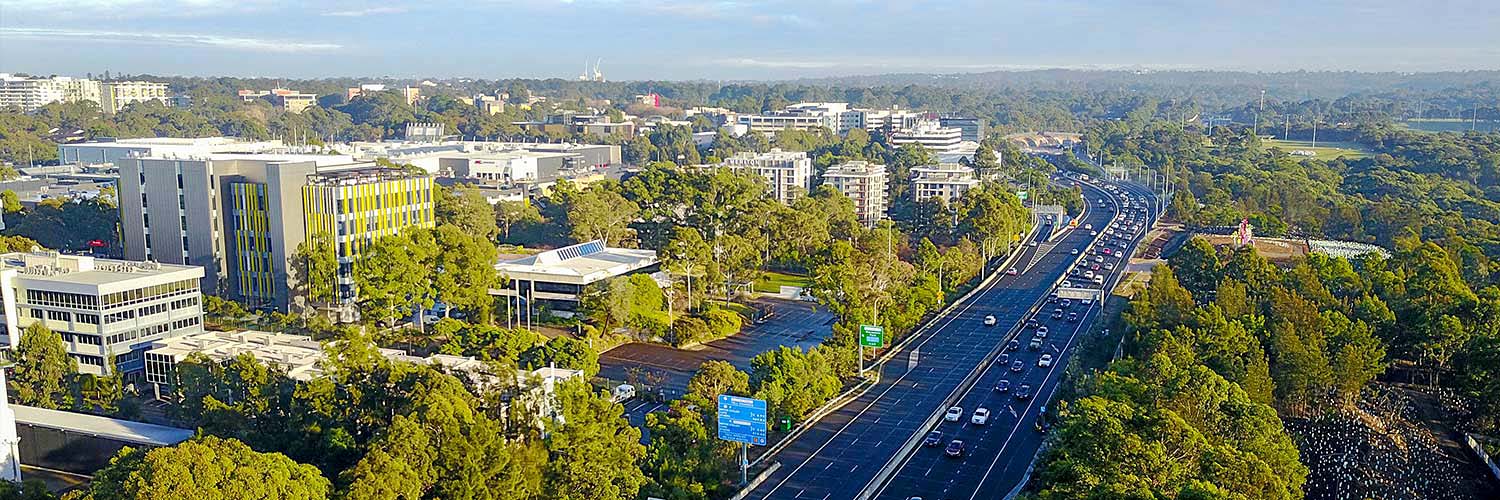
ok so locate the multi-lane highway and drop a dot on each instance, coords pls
(998, 452)
(843, 455)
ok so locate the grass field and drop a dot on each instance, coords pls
(771, 281)
(1326, 150)
(1451, 125)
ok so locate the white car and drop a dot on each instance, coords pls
(1067, 284)
(954, 414)
(1093, 233)
(1075, 251)
(981, 417)
(1041, 332)
(1011, 272)
(989, 321)
(1086, 302)
(1033, 242)
(1045, 361)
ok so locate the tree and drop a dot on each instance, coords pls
(686, 255)
(594, 449)
(601, 214)
(714, 378)
(464, 206)
(10, 202)
(393, 275)
(793, 382)
(207, 467)
(1197, 267)
(509, 214)
(43, 368)
(313, 267)
(465, 268)
(564, 352)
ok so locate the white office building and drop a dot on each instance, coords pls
(891, 120)
(936, 138)
(557, 278)
(949, 181)
(864, 183)
(101, 308)
(788, 172)
(108, 152)
(837, 117)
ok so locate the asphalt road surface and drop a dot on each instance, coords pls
(998, 452)
(841, 454)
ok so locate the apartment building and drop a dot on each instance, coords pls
(29, 94)
(888, 121)
(102, 308)
(929, 134)
(115, 96)
(865, 184)
(949, 181)
(788, 172)
(834, 116)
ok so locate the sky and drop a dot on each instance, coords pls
(736, 39)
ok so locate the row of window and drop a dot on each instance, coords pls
(87, 359)
(62, 299)
(150, 292)
(80, 338)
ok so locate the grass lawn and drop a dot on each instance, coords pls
(772, 281)
(1326, 150)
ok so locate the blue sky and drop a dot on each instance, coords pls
(736, 39)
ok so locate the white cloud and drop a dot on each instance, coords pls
(172, 39)
(365, 12)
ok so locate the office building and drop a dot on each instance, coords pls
(949, 181)
(864, 183)
(837, 117)
(789, 173)
(115, 96)
(30, 93)
(553, 160)
(556, 278)
(108, 151)
(970, 129)
(936, 138)
(101, 308)
(357, 207)
(241, 216)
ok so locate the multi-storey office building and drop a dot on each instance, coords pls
(101, 308)
(888, 121)
(788, 172)
(109, 151)
(864, 183)
(970, 129)
(242, 216)
(949, 181)
(115, 96)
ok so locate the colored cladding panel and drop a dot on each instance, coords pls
(358, 214)
(250, 231)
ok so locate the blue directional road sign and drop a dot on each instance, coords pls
(742, 420)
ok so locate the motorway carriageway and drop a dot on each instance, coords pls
(840, 455)
(998, 454)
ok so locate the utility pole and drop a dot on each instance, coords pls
(1262, 109)
(1315, 133)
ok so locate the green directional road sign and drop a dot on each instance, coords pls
(1023, 195)
(871, 336)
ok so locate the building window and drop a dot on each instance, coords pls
(37, 313)
(58, 315)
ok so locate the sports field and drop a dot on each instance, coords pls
(1325, 150)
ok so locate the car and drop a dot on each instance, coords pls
(1072, 317)
(1099, 280)
(1045, 361)
(989, 320)
(1041, 333)
(1023, 392)
(1088, 226)
(1109, 251)
(1099, 259)
(1093, 233)
(1052, 298)
(981, 416)
(1013, 345)
(1088, 275)
(1018, 365)
(955, 448)
(1031, 324)
(955, 413)
(1094, 267)
(1002, 386)
(1033, 243)
(1109, 266)
(1011, 272)
(933, 438)
(1036, 345)
(1067, 284)
(1066, 303)
(1075, 251)
(1057, 314)
(1086, 302)
(1003, 358)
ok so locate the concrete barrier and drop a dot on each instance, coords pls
(1483, 457)
(759, 478)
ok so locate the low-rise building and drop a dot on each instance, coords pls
(102, 308)
(109, 151)
(934, 137)
(287, 100)
(864, 183)
(789, 173)
(949, 181)
(556, 278)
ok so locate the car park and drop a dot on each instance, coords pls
(954, 414)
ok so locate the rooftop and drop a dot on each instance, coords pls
(582, 263)
(85, 270)
(299, 355)
(111, 428)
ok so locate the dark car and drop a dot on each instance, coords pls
(1023, 392)
(1032, 324)
(955, 448)
(1001, 386)
(1003, 358)
(934, 438)
(1013, 345)
(1017, 366)
(1072, 316)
